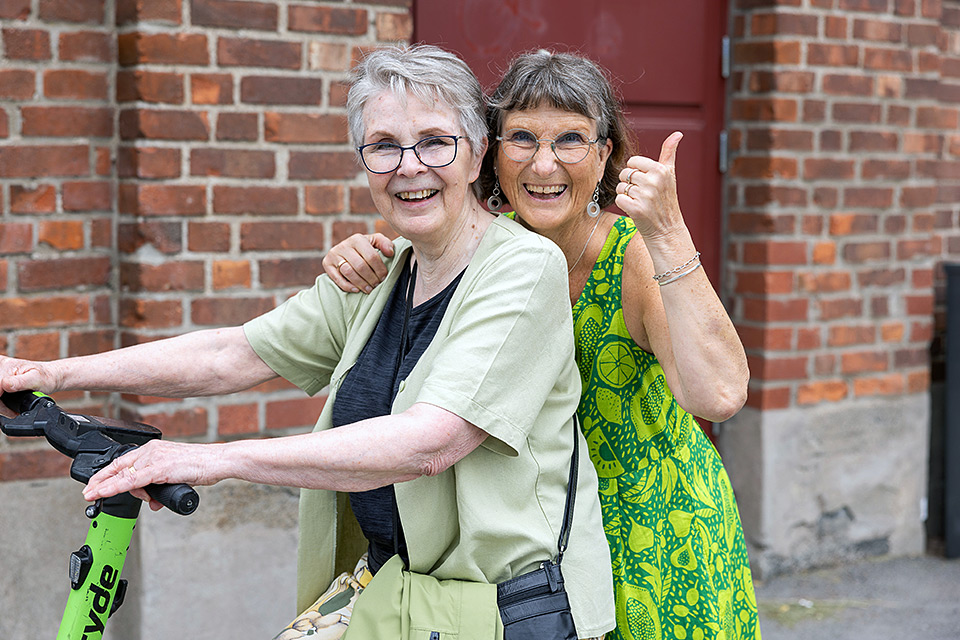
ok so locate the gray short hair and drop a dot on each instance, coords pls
(426, 72)
(569, 82)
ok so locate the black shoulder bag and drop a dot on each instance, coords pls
(535, 605)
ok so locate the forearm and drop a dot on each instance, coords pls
(209, 362)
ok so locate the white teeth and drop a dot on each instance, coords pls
(547, 190)
(416, 195)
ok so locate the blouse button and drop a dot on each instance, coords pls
(403, 383)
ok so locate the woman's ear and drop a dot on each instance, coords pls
(604, 153)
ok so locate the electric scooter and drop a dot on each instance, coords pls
(96, 589)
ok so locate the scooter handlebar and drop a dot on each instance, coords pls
(179, 498)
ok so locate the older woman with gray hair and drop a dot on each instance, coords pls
(448, 424)
(655, 346)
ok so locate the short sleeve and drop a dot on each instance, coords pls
(509, 350)
(303, 338)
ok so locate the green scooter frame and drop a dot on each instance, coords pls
(96, 589)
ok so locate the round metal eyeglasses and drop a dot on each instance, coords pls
(433, 152)
(569, 147)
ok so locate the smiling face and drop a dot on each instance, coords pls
(546, 193)
(420, 202)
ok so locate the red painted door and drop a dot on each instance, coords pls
(664, 57)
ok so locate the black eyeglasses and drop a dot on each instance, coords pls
(433, 152)
(570, 147)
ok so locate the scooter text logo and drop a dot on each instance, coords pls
(99, 601)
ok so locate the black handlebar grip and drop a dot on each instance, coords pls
(23, 401)
(179, 498)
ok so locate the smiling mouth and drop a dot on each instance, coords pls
(417, 196)
(545, 192)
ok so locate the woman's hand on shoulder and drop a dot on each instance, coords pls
(648, 192)
(355, 265)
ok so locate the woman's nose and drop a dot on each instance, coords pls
(544, 160)
(410, 164)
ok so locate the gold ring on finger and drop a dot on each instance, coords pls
(630, 177)
(626, 191)
(132, 469)
(341, 263)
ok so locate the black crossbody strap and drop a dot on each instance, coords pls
(571, 494)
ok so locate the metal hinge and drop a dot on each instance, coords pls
(724, 155)
(725, 57)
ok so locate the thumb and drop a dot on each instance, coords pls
(382, 243)
(668, 152)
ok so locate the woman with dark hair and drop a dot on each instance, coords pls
(654, 344)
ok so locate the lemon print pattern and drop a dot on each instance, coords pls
(680, 566)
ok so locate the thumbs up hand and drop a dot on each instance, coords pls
(648, 191)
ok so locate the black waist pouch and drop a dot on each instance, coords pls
(534, 606)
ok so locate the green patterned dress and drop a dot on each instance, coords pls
(680, 567)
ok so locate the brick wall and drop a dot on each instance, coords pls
(167, 166)
(844, 118)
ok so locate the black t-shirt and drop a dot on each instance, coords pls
(368, 391)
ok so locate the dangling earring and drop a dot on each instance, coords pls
(593, 209)
(494, 202)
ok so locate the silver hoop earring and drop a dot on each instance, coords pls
(593, 209)
(494, 202)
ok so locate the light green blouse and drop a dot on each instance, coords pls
(502, 359)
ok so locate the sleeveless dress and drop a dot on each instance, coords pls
(680, 567)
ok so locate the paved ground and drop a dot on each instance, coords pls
(898, 599)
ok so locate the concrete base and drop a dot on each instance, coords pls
(830, 483)
(228, 570)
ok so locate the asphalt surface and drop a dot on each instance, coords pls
(886, 599)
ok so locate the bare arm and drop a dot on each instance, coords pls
(683, 323)
(424, 440)
(202, 363)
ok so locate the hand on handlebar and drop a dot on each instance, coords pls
(18, 375)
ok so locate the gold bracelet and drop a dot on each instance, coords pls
(660, 276)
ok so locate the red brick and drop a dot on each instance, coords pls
(26, 44)
(774, 253)
(255, 200)
(764, 109)
(228, 274)
(39, 199)
(103, 161)
(44, 312)
(281, 236)
(847, 85)
(62, 235)
(162, 48)
(328, 20)
(867, 197)
(329, 165)
(237, 419)
(781, 81)
(150, 314)
(343, 229)
(163, 125)
(33, 464)
(846, 336)
(822, 391)
(38, 346)
(893, 384)
(793, 310)
(228, 311)
(779, 139)
(827, 169)
(912, 249)
(15, 9)
(919, 332)
(789, 368)
(809, 339)
(72, 121)
(3, 287)
(832, 55)
(887, 59)
(301, 412)
(281, 90)
(15, 237)
(825, 282)
(882, 141)
(916, 197)
(63, 273)
(238, 126)
(302, 128)
(86, 46)
(232, 163)
(211, 88)
(234, 15)
(881, 277)
(877, 30)
(87, 196)
(853, 224)
(814, 111)
(323, 199)
(208, 236)
(768, 399)
(247, 52)
(766, 338)
(295, 272)
(764, 282)
(765, 167)
(914, 142)
(328, 56)
(178, 424)
(101, 233)
(17, 84)
(165, 237)
(75, 84)
(72, 11)
(148, 11)
(776, 52)
(396, 26)
(761, 223)
(168, 276)
(921, 305)
(864, 361)
(873, 6)
(150, 86)
(86, 343)
(152, 199)
(892, 332)
(837, 308)
(148, 162)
